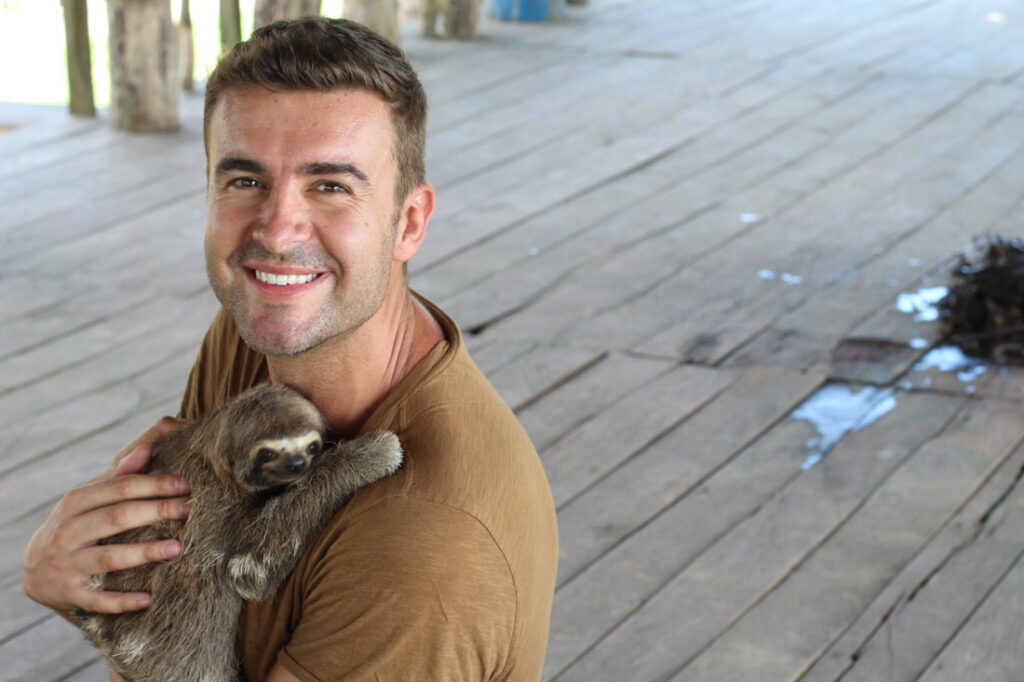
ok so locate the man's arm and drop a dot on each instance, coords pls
(64, 553)
(412, 589)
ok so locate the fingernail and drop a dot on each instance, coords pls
(144, 601)
(181, 485)
(171, 548)
(185, 508)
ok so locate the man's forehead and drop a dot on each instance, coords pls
(311, 118)
(241, 99)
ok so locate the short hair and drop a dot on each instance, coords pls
(318, 53)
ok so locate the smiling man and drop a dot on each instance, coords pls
(314, 134)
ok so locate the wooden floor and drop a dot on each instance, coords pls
(676, 233)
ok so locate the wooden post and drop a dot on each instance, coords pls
(76, 33)
(460, 18)
(379, 15)
(143, 65)
(304, 8)
(186, 49)
(269, 11)
(230, 25)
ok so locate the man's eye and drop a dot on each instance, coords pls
(244, 182)
(328, 186)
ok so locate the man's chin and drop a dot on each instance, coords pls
(280, 343)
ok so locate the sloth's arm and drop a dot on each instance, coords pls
(269, 547)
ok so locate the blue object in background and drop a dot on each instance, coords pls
(523, 10)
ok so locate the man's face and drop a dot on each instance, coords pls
(301, 213)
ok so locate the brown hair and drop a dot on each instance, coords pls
(317, 53)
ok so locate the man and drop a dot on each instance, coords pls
(314, 135)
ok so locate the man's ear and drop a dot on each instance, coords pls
(412, 224)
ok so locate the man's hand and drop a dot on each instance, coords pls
(64, 553)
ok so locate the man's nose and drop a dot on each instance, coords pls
(285, 221)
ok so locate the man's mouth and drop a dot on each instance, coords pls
(284, 280)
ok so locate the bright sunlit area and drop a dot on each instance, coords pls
(32, 46)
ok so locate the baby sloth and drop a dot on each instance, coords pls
(262, 487)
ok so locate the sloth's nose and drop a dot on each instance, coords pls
(295, 464)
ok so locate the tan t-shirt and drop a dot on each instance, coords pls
(444, 571)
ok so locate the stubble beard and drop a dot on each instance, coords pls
(343, 313)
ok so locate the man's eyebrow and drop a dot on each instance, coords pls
(336, 168)
(234, 163)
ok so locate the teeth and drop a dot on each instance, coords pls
(283, 280)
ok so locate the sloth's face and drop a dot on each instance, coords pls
(275, 462)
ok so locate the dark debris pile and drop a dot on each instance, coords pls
(983, 313)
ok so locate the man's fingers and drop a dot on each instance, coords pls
(101, 601)
(107, 558)
(148, 437)
(132, 487)
(134, 462)
(91, 526)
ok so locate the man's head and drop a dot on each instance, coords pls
(313, 133)
(322, 54)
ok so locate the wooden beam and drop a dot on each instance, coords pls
(269, 11)
(230, 25)
(76, 32)
(143, 65)
(460, 18)
(186, 48)
(379, 15)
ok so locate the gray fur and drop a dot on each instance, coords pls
(252, 517)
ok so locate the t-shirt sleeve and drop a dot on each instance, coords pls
(410, 589)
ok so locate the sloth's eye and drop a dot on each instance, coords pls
(314, 448)
(266, 455)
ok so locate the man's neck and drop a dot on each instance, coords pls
(347, 377)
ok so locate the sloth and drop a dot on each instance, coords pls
(263, 484)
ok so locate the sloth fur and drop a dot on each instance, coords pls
(261, 490)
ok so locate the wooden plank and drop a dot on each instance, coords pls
(89, 673)
(862, 303)
(593, 603)
(988, 649)
(35, 126)
(612, 437)
(541, 371)
(18, 613)
(534, 119)
(548, 419)
(31, 295)
(101, 172)
(93, 215)
(22, 409)
(815, 261)
(720, 585)
(921, 609)
(66, 149)
(92, 341)
(619, 503)
(608, 324)
(60, 647)
(721, 161)
(119, 247)
(68, 316)
(38, 486)
(577, 163)
(871, 548)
